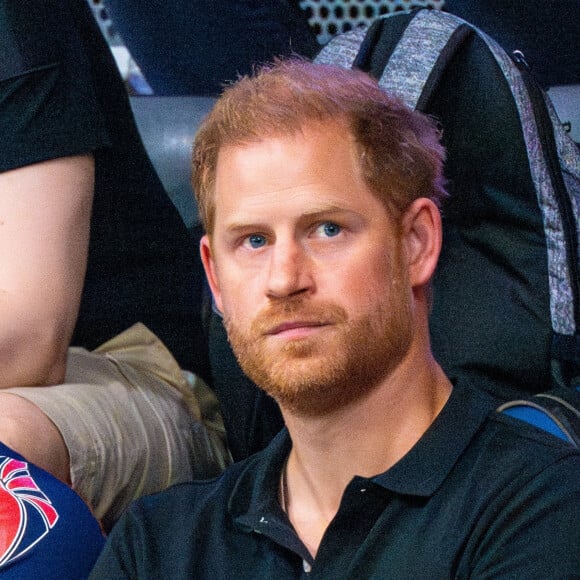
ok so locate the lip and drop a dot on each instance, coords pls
(296, 327)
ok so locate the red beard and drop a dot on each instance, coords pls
(318, 374)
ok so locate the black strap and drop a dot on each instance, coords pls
(379, 43)
(385, 35)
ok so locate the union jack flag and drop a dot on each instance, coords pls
(26, 513)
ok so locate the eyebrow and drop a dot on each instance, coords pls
(239, 225)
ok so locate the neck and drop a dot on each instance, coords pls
(365, 439)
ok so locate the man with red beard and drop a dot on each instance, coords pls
(320, 196)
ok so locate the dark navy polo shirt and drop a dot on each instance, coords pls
(480, 495)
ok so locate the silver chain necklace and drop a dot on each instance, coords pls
(284, 488)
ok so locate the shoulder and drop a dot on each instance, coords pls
(505, 462)
(203, 498)
(162, 528)
(501, 442)
(514, 465)
(204, 509)
(508, 437)
(519, 490)
(154, 538)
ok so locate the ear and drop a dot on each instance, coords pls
(210, 268)
(422, 239)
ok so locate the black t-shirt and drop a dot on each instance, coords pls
(480, 495)
(60, 95)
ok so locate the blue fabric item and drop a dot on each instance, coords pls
(537, 418)
(46, 530)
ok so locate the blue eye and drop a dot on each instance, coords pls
(330, 229)
(256, 241)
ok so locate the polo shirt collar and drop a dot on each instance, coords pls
(254, 499)
(424, 468)
(254, 502)
(257, 488)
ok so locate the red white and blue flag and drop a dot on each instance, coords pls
(26, 513)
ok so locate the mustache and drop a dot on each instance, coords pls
(279, 313)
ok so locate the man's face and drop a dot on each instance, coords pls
(308, 269)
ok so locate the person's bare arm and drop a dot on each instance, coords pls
(45, 212)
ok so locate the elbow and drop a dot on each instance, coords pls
(54, 371)
(37, 361)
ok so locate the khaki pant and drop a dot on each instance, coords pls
(133, 421)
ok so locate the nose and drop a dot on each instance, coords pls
(289, 270)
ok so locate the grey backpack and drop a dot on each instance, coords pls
(506, 312)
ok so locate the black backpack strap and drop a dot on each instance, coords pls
(383, 51)
(437, 37)
(378, 44)
(448, 68)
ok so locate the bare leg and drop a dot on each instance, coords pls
(28, 431)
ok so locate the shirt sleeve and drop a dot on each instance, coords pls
(48, 106)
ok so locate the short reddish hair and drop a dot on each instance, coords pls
(401, 155)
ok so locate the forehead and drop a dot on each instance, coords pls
(316, 168)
